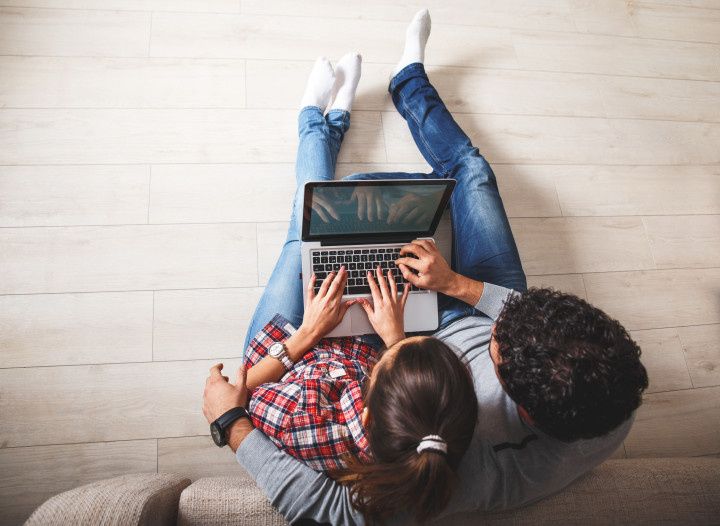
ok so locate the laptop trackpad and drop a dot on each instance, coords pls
(345, 326)
(360, 322)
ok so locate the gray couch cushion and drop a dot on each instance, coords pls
(232, 501)
(144, 499)
(640, 491)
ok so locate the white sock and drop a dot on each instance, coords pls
(416, 37)
(347, 76)
(319, 86)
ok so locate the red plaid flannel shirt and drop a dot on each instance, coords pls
(314, 412)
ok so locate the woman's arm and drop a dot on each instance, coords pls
(386, 312)
(270, 369)
(323, 312)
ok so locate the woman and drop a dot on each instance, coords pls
(392, 425)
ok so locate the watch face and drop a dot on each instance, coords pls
(217, 434)
(276, 350)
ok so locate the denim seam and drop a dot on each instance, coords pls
(422, 138)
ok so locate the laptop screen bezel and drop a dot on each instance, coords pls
(449, 185)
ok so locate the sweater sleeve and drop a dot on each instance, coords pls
(493, 300)
(296, 490)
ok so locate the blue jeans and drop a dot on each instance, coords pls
(483, 245)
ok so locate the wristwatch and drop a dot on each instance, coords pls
(221, 425)
(279, 351)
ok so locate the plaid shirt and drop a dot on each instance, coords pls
(314, 412)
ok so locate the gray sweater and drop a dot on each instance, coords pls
(508, 464)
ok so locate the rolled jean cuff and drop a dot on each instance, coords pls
(416, 69)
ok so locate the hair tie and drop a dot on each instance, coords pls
(433, 443)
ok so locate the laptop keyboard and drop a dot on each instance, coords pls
(357, 262)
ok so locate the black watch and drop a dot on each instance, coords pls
(218, 428)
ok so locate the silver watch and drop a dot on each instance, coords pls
(279, 351)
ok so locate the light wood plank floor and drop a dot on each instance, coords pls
(146, 177)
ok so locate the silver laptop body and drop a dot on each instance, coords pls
(362, 224)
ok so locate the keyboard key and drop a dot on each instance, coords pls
(366, 251)
(340, 252)
(316, 261)
(352, 266)
(373, 250)
(363, 258)
(332, 259)
(336, 267)
(381, 250)
(324, 253)
(356, 259)
(358, 290)
(332, 253)
(323, 260)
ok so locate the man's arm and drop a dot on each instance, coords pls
(297, 491)
(429, 270)
(293, 488)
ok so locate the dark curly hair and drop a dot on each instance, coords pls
(575, 370)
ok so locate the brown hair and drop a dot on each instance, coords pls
(424, 390)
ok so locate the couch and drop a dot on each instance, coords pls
(632, 491)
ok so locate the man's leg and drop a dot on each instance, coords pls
(320, 140)
(484, 247)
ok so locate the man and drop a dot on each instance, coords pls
(557, 380)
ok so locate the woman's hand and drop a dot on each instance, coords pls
(370, 203)
(325, 309)
(386, 314)
(324, 209)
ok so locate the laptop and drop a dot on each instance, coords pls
(363, 224)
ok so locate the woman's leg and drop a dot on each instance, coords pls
(320, 140)
(318, 148)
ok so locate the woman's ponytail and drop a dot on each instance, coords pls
(423, 411)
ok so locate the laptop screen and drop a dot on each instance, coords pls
(374, 209)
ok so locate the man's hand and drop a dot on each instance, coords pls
(386, 314)
(325, 309)
(220, 395)
(431, 270)
(411, 209)
(434, 273)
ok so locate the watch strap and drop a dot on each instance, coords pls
(230, 416)
(286, 361)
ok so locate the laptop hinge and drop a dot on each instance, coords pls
(366, 241)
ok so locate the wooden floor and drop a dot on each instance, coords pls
(146, 151)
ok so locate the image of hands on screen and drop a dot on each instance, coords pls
(373, 209)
